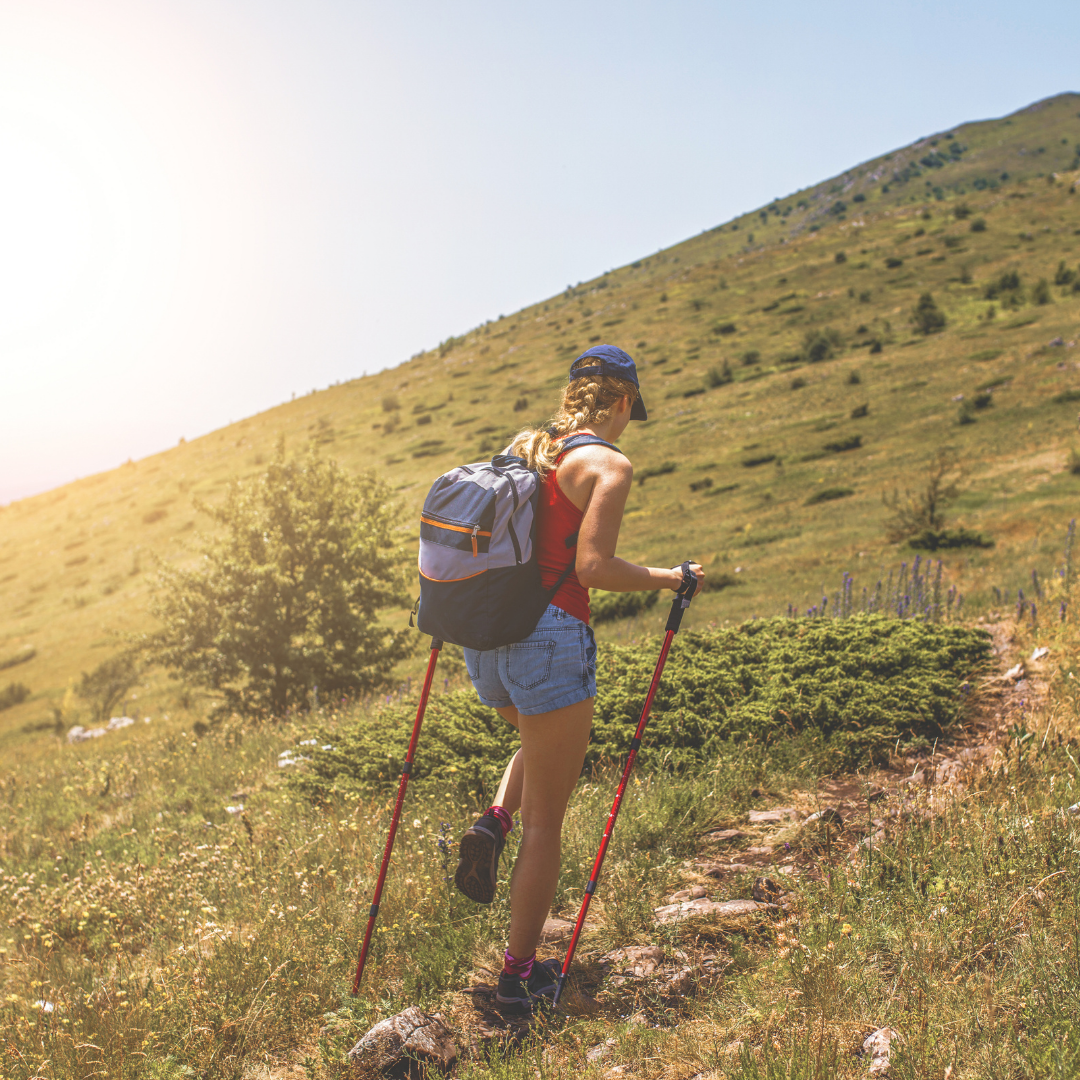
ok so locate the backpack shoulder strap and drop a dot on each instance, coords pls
(572, 442)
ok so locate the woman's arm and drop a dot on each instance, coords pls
(597, 566)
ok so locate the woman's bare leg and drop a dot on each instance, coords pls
(509, 793)
(552, 752)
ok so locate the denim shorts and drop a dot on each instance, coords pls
(553, 667)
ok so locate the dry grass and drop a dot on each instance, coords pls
(168, 935)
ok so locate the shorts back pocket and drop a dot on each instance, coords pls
(528, 663)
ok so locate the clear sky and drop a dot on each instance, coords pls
(207, 205)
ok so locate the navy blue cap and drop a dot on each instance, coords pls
(619, 365)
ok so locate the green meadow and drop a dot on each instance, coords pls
(779, 359)
(182, 899)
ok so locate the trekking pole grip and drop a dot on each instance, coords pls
(683, 595)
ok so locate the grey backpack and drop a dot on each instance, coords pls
(479, 578)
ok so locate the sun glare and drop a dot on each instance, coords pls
(84, 223)
(54, 226)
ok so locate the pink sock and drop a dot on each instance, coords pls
(503, 818)
(521, 968)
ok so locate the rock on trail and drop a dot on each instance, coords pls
(412, 1038)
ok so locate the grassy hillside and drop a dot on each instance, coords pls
(766, 345)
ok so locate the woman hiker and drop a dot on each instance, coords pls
(545, 684)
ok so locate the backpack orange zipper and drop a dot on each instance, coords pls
(474, 532)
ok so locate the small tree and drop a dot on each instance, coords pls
(719, 376)
(914, 512)
(821, 345)
(106, 686)
(927, 316)
(286, 600)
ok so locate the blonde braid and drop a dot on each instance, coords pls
(585, 401)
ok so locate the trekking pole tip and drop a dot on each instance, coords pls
(560, 982)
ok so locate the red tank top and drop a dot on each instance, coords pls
(559, 518)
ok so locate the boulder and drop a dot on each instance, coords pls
(80, 734)
(878, 1045)
(690, 909)
(639, 960)
(695, 892)
(773, 817)
(395, 1044)
(766, 891)
(595, 1053)
(720, 869)
(681, 982)
(725, 835)
(555, 930)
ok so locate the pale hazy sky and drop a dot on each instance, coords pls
(206, 205)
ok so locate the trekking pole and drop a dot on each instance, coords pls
(681, 602)
(406, 772)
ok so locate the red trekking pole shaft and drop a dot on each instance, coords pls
(406, 772)
(678, 606)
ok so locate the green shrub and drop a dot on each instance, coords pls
(1074, 461)
(1006, 283)
(609, 606)
(939, 539)
(837, 692)
(656, 470)
(390, 403)
(108, 684)
(860, 411)
(718, 582)
(724, 328)
(829, 494)
(429, 448)
(893, 263)
(927, 316)
(14, 694)
(965, 414)
(838, 446)
(719, 376)
(22, 656)
(840, 257)
(750, 357)
(1064, 275)
(978, 225)
(1041, 293)
(821, 345)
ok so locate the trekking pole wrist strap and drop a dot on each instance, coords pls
(689, 584)
(683, 595)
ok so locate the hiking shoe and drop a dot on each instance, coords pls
(516, 994)
(478, 865)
